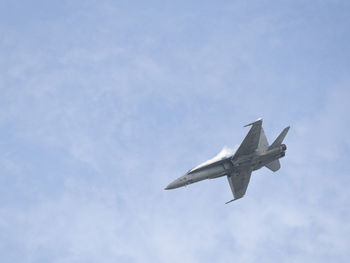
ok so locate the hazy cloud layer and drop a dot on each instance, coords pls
(103, 103)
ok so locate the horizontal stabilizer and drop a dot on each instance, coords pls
(280, 138)
(274, 165)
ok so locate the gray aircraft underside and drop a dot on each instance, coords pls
(253, 153)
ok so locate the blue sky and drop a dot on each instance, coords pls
(103, 103)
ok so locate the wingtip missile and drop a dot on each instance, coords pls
(231, 201)
(258, 120)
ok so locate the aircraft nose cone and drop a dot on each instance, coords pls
(170, 186)
(175, 184)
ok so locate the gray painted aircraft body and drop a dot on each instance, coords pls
(253, 153)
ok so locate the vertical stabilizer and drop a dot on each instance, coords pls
(263, 143)
(280, 138)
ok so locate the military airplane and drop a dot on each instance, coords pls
(253, 153)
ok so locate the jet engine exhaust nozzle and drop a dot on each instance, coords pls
(283, 147)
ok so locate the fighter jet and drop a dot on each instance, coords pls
(253, 153)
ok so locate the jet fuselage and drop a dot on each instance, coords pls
(229, 165)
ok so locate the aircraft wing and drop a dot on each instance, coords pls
(251, 141)
(239, 183)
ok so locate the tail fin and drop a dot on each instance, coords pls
(263, 143)
(280, 138)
